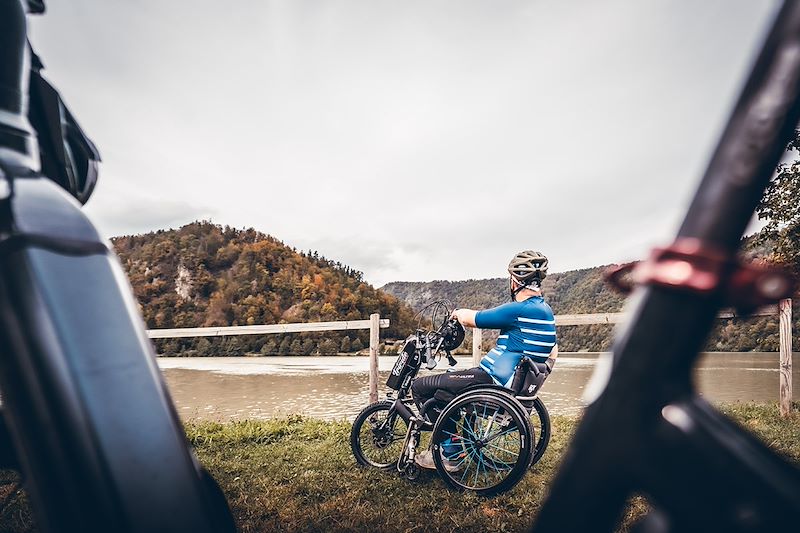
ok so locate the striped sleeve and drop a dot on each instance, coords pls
(498, 317)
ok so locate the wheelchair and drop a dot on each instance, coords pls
(483, 439)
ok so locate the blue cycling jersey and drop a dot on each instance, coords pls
(527, 328)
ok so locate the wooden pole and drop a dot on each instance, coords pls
(476, 346)
(786, 356)
(374, 339)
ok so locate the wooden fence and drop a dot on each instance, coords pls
(374, 324)
(783, 310)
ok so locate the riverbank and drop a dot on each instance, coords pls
(221, 389)
(297, 474)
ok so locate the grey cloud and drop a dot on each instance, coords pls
(128, 212)
(413, 139)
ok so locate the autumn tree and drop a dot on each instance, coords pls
(327, 347)
(270, 347)
(780, 207)
(307, 347)
(356, 345)
(203, 347)
(296, 347)
(285, 346)
(345, 345)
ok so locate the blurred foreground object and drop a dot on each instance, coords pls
(91, 425)
(646, 430)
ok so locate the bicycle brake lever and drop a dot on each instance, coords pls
(430, 361)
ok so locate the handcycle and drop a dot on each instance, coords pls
(483, 439)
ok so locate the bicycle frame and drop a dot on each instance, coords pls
(699, 470)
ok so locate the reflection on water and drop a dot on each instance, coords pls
(221, 388)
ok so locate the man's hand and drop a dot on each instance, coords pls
(551, 359)
(465, 316)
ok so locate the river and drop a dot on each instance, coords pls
(224, 388)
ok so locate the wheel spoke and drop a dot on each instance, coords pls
(506, 466)
(378, 437)
(472, 436)
(477, 471)
(501, 433)
(502, 449)
(481, 437)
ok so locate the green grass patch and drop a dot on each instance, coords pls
(298, 474)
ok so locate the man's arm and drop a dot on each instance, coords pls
(465, 316)
(496, 318)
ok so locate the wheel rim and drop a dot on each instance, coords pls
(484, 444)
(381, 439)
(540, 426)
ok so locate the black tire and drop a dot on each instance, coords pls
(540, 422)
(377, 436)
(489, 458)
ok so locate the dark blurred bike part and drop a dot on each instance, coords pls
(699, 470)
(688, 265)
(89, 419)
(67, 155)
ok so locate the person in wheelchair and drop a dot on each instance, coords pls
(527, 330)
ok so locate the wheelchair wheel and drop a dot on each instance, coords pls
(482, 442)
(377, 438)
(540, 422)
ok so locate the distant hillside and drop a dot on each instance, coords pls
(581, 291)
(577, 291)
(208, 275)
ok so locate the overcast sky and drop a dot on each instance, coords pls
(413, 140)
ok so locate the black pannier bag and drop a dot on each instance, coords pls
(406, 362)
(68, 156)
(528, 379)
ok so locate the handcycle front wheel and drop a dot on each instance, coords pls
(483, 442)
(377, 436)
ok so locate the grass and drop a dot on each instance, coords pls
(298, 474)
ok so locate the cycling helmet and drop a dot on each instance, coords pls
(528, 268)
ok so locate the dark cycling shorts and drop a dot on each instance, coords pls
(423, 389)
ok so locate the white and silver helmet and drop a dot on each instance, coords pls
(528, 268)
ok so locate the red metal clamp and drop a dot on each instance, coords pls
(689, 265)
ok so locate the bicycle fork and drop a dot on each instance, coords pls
(406, 464)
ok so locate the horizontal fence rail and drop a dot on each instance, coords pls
(265, 329)
(783, 310)
(374, 325)
(616, 318)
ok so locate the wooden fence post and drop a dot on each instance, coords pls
(786, 356)
(476, 346)
(374, 339)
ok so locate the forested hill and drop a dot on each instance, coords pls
(208, 275)
(581, 291)
(577, 291)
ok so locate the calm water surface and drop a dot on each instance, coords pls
(223, 388)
